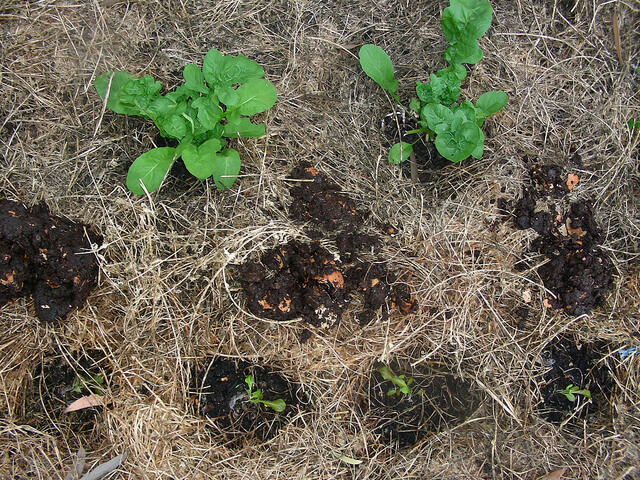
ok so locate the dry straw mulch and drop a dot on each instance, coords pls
(167, 294)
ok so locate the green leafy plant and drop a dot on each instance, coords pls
(93, 384)
(633, 124)
(255, 396)
(454, 127)
(571, 391)
(402, 384)
(213, 103)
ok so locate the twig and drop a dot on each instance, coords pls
(414, 168)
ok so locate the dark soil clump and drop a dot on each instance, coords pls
(573, 364)
(578, 272)
(44, 256)
(219, 392)
(296, 280)
(321, 202)
(439, 400)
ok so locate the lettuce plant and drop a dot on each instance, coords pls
(212, 104)
(453, 126)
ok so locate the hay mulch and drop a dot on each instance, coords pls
(168, 293)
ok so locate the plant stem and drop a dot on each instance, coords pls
(413, 165)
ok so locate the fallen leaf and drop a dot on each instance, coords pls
(85, 402)
(345, 459)
(555, 475)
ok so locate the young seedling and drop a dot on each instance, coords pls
(94, 384)
(212, 104)
(255, 396)
(454, 127)
(571, 391)
(403, 386)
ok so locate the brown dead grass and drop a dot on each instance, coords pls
(168, 296)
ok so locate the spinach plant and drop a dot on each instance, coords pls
(402, 384)
(453, 126)
(212, 104)
(255, 396)
(572, 390)
(94, 384)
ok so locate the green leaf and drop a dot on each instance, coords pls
(243, 127)
(118, 80)
(463, 23)
(414, 104)
(443, 88)
(225, 70)
(278, 405)
(460, 140)
(469, 111)
(228, 96)
(209, 111)
(201, 161)
(491, 102)
(194, 78)
(400, 152)
(227, 167)
(438, 117)
(150, 168)
(172, 126)
(255, 96)
(377, 65)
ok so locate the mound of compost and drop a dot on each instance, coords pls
(45, 256)
(578, 271)
(220, 393)
(571, 363)
(305, 280)
(439, 400)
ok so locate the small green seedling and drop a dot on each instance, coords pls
(255, 396)
(94, 384)
(633, 125)
(571, 391)
(212, 104)
(402, 384)
(454, 127)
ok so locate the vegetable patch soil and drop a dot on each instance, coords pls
(47, 257)
(219, 392)
(304, 279)
(439, 400)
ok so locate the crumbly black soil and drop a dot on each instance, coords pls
(53, 390)
(320, 201)
(578, 271)
(305, 280)
(403, 420)
(572, 363)
(45, 256)
(219, 392)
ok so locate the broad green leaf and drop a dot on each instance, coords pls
(225, 70)
(466, 19)
(243, 127)
(461, 140)
(470, 112)
(256, 96)
(278, 405)
(194, 78)
(150, 168)
(438, 117)
(142, 87)
(209, 111)
(377, 65)
(400, 152)
(491, 102)
(228, 96)
(227, 167)
(201, 161)
(172, 126)
(118, 80)
(463, 23)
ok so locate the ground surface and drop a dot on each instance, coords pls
(494, 283)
